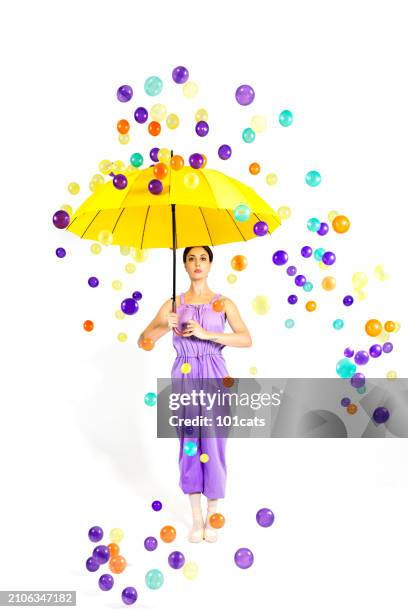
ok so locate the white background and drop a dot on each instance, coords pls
(78, 444)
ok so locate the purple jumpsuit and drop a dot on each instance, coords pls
(206, 361)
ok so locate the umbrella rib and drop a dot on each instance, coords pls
(141, 246)
(90, 223)
(208, 231)
(236, 224)
(117, 220)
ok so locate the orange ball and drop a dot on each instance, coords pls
(217, 520)
(310, 306)
(254, 168)
(373, 327)
(228, 381)
(113, 549)
(340, 224)
(389, 326)
(88, 325)
(160, 170)
(123, 126)
(351, 408)
(147, 344)
(154, 128)
(219, 306)
(168, 533)
(239, 262)
(329, 283)
(177, 162)
(117, 564)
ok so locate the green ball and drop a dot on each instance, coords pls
(150, 399)
(345, 368)
(313, 178)
(154, 579)
(338, 324)
(289, 323)
(286, 118)
(308, 286)
(318, 254)
(136, 160)
(153, 86)
(313, 224)
(361, 390)
(248, 135)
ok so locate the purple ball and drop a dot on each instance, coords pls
(375, 350)
(95, 534)
(348, 300)
(348, 352)
(224, 152)
(279, 258)
(244, 558)
(136, 295)
(387, 347)
(180, 75)
(381, 415)
(129, 595)
(92, 565)
(292, 299)
(101, 553)
(150, 543)
(323, 229)
(306, 251)
(93, 281)
(265, 517)
(176, 559)
(129, 306)
(141, 114)
(328, 258)
(153, 154)
(120, 181)
(300, 280)
(357, 380)
(155, 187)
(345, 402)
(196, 160)
(124, 93)
(361, 358)
(157, 505)
(60, 252)
(202, 128)
(244, 95)
(60, 219)
(105, 582)
(291, 270)
(260, 228)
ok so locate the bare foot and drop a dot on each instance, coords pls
(210, 534)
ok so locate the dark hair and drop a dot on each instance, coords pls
(206, 248)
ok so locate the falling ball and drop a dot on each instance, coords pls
(191, 180)
(150, 543)
(116, 535)
(168, 533)
(88, 325)
(93, 281)
(92, 565)
(202, 128)
(279, 258)
(265, 517)
(177, 162)
(306, 251)
(105, 582)
(180, 75)
(160, 170)
(323, 229)
(129, 595)
(239, 262)
(141, 114)
(129, 306)
(101, 554)
(313, 224)
(292, 299)
(154, 579)
(244, 95)
(196, 161)
(154, 128)
(348, 300)
(153, 86)
(308, 286)
(155, 187)
(150, 399)
(375, 350)
(124, 93)
(341, 224)
(389, 326)
(176, 559)
(289, 323)
(117, 564)
(217, 520)
(190, 448)
(244, 558)
(120, 181)
(338, 324)
(95, 534)
(190, 570)
(260, 228)
(190, 89)
(224, 152)
(153, 154)
(172, 121)
(242, 212)
(60, 252)
(291, 270)
(387, 347)
(261, 305)
(157, 505)
(218, 306)
(351, 409)
(345, 368)
(123, 126)
(73, 188)
(329, 283)
(300, 280)
(204, 458)
(373, 327)
(254, 168)
(357, 380)
(61, 219)
(310, 306)
(381, 415)
(248, 135)
(313, 179)
(328, 258)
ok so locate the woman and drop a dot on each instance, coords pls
(200, 346)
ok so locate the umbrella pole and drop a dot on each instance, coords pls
(173, 225)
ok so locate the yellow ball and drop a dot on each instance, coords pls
(105, 166)
(73, 188)
(122, 337)
(323, 265)
(172, 121)
(190, 89)
(284, 212)
(116, 535)
(140, 255)
(98, 178)
(185, 368)
(201, 115)
(332, 214)
(383, 336)
(397, 326)
(96, 248)
(271, 179)
(117, 285)
(124, 250)
(120, 315)
(158, 112)
(124, 138)
(118, 166)
(164, 155)
(131, 169)
(253, 370)
(190, 570)
(130, 268)
(391, 375)
(261, 304)
(94, 186)
(67, 208)
(379, 273)
(359, 280)
(105, 237)
(191, 180)
(204, 458)
(360, 295)
(232, 278)
(258, 123)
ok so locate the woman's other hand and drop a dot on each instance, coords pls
(193, 328)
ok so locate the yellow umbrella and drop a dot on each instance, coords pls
(195, 207)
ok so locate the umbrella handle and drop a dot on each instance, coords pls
(175, 329)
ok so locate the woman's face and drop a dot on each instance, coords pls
(198, 263)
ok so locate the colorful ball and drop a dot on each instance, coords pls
(168, 533)
(129, 306)
(217, 520)
(341, 224)
(154, 128)
(328, 258)
(313, 224)
(286, 118)
(291, 270)
(202, 128)
(323, 229)
(154, 154)
(224, 152)
(313, 179)
(123, 126)
(254, 168)
(265, 517)
(345, 368)
(244, 95)
(117, 564)
(160, 170)
(124, 93)
(155, 187)
(141, 114)
(387, 347)
(357, 380)
(338, 324)
(172, 121)
(60, 219)
(177, 162)
(92, 565)
(260, 228)
(190, 448)
(244, 558)
(329, 283)
(154, 579)
(242, 212)
(105, 582)
(196, 160)
(88, 325)
(157, 505)
(308, 286)
(129, 595)
(373, 327)
(176, 559)
(345, 402)
(147, 344)
(180, 75)
(389, 326)
(292, 299)
(375, 350)
(239, 262)
(150, 543)
(248, 135)
(361, 358)
(101, 554)
(120, 181)
(348, 300)
(289, 323)
(60, 252)
(318, 254)
(300, 280)
(348, 352)
(153, 86)
(306, 251)
(381, 415)
(311, 306)
(150, 399)
(95, 534)
(279, 258)
(190, 570)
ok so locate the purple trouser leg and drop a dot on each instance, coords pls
(208, 478)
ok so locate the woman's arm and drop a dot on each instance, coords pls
(241, 336)
(159, 325)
